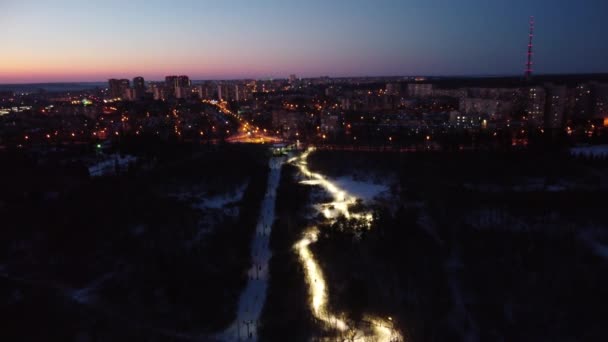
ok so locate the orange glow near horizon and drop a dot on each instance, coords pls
(75, 41)
(23, 69)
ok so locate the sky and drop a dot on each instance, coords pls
(66, 40)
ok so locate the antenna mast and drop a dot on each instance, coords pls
(528, 73)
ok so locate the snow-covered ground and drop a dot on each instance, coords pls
(590, 239)
(364, 190)
(87, 293)
(530, 184)
(426, 222)
(252, 299)
(108, 165)
(213, 206)
(221, 200)
(343, 191)
(496, 218)
(590, 151)
(204, 200)
(460, 318)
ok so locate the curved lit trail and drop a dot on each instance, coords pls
(381, 329)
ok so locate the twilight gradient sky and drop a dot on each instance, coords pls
(66, 40)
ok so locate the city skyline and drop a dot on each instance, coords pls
(73, 42)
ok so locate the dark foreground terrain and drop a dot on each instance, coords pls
(475, 246)
(501, 246)
(130, 256)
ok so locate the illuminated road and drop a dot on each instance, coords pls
(380, 329)
(246, 132)
(253, 138)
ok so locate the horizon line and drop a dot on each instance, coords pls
(315, 77)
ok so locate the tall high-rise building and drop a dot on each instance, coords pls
(555, 106)
(393, 89)
(419, 89)
(139, 83)
(225, 92)
(600, 100)
(139, 88)
(159, 92)
(174, 82)
(581, 105)
(206, 91)
(183, 81)
(117, 87)
(171, 82)
(201, 90)
(535, 108)
(241, 92)
(129, 94)
(182, 92)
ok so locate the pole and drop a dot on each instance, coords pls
(530, 49)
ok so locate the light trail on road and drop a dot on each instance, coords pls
(382, 329)
(248, 134)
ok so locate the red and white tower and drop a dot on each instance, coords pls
(528, 73)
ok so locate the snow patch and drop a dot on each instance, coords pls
(365, 190)
(138, 230)
(86, 294)
(590, 151)
(219, 201)
(599, 249)
(110, 165)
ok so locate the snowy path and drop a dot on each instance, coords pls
(461, 318)
(252, 299)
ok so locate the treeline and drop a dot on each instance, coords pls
(430, 171)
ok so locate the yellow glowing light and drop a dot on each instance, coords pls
(315, 279)
(382, 330)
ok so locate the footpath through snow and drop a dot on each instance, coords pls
(252, 299)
